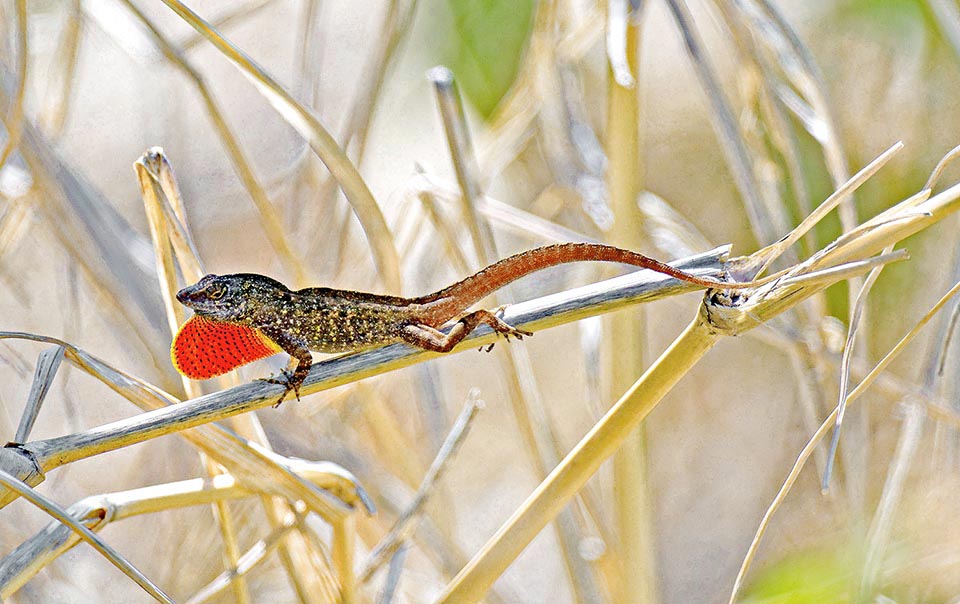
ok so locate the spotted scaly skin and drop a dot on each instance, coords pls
(248, 306)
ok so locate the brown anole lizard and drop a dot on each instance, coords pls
(244, 317)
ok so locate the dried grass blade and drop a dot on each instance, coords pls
(667, 228)
(878, 536)
(163, 253)
(464, 161)
(308, 125)
(272, 224)
(618, 18)
(442, 226)
(770, 253)
(15, 222)
(56, 100)
(36, 552)
(845, 359)
(393, 576)
(407, 522)
(731, 141)
(847, 270)
(158, 167)
(86, 534)
(235, 15)
(245, 563)
(797, 62)
(99, 510)
(945, 161)
(507, 217)
(47, 364)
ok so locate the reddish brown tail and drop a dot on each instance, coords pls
(495, 276)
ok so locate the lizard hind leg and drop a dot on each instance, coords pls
(428, 338)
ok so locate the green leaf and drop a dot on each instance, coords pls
(815, 577)
(486, 46)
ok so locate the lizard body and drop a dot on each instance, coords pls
(244, 317)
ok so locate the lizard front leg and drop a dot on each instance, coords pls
(291, 380)
(428, 338)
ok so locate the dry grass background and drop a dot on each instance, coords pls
(671, 517)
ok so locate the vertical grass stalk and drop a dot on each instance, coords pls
(624, 336)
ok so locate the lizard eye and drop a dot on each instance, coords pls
(216, 292)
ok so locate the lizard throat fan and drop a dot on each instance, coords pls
(205, 348)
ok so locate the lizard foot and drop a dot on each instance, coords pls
(503, 328)
(286, 379)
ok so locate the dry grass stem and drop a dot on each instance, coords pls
(855, 320)
(623, 343)
(407, 523)
(256, 554)
(725, 124)
(770, 253)
(97, 511)
(84, 533)
(47, 364)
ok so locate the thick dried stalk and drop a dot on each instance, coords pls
(580, 464)
(624, 337)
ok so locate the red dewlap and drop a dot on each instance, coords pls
(205, 348)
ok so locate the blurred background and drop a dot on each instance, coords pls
(667, 127)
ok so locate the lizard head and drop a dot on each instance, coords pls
(228, 297)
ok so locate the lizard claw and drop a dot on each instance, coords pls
(506, 329)
(285, 379)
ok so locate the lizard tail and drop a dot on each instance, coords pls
(476, 287)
